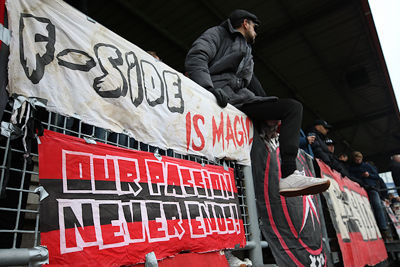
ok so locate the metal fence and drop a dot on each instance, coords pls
(20, 190)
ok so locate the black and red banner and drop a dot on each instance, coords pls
(109, 206)
(357, 232)
(393, 217)
(291, 226)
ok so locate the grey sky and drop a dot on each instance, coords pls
(386, 14)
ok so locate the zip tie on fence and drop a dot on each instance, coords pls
(42, 192)
(151, 260)
(34, 101)
(226, 168)
(38, 139)
(25, 129)
(89, 140)
(18, 101)
(21, 113)
(37, 102)
(157, 154)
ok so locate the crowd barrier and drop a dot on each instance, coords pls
(21, 194)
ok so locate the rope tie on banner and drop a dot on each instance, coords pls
(5, 35)
(24, 127)
(157, 154)
(22, 112)
(15, 112)
(226, 168)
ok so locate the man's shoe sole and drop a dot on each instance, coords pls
(311, 190)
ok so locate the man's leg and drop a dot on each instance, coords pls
(377, 208)
(290, 112)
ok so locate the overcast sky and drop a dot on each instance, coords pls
(386, 14)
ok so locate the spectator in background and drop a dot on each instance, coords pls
(344, 159)
(395, 169)
(383, 192)
(331, 145)
(334, 162)
(370, 180)
(154, 54)
(319, 148)
(306, 141)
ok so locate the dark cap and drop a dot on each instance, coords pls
(240, 14)
(323, 123)
(329, 142)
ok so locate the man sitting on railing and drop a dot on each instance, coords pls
(220, 60)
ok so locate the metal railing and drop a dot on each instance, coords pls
(20, 190)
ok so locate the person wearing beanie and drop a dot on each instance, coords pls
(319, 146)
(221, 61)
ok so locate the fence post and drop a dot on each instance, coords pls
(256, 251)
(21, 256)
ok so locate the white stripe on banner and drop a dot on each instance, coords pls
(5, 35)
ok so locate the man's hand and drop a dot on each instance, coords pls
(365, 174)
(222, 98)
(311, 139)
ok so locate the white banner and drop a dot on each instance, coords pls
(83, 70)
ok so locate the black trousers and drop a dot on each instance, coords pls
(290, 112)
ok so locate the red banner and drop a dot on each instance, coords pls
(109, 206)
(358, 235)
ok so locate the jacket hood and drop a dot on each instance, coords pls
(228, 26)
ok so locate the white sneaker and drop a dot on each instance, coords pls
(297, 184)
(236, 262)
(248, 262)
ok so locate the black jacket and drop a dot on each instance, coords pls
(321, 151)
(358, 169)
(373, 182)
(221, 58)
(319, 148)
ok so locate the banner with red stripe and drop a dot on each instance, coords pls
(358, 235)
(292, 226)
(109, 206)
